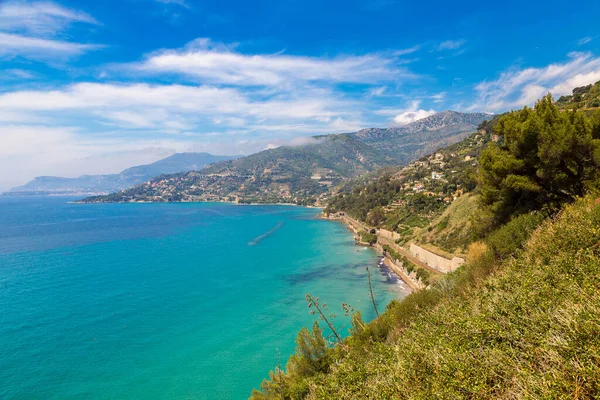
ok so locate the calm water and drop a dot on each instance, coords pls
(169, 301)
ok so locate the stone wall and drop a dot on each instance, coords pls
(388, 234)
(438, 262)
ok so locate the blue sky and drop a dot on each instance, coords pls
(97, 86)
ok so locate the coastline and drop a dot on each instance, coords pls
(389, 263)
(190, 202)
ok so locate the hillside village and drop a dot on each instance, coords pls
(408, 200)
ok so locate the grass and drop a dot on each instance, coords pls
(527, 326)
(451, 231)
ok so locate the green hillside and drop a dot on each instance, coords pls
(408, 200)
(521, 319)
(531, 329)
(336, 156)
(584, 97)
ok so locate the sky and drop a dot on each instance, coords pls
(96, 86)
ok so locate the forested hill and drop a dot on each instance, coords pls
(335, 156)
(584, 97)
(305, 174)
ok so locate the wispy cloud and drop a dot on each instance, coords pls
(519, 87)
(41, 49)
(40, 18)
(181, 3)
(438, 97)
(377, 91)
(16, 73)
(584, 40)
(409, 50)
(450, 45)
(30, 30)
(221, 64)
(176, 108)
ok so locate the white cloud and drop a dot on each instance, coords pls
(29, 29)
(438, 97)
(185, 110)
(12, 45)
(220, 64)
(19, 117)
(450, 45)
(192, 100)
(519, 87)
(409, 50)
(411, 116)
(584, 40)
(298, 141)
(378, 91)
(15, 73)
(43, 18)
(407, 115)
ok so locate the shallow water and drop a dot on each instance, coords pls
(170, 301)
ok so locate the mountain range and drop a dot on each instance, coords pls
(107, 183)
(301, 174)
(423, 136)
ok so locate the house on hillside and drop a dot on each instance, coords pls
(436, 176)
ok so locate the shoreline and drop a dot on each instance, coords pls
(389, 263)
(235, 203)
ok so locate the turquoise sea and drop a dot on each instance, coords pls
(165, 301)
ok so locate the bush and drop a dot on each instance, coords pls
(368, 238)
(511, 237)
(423, 275)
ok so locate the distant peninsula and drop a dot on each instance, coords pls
(103, 184)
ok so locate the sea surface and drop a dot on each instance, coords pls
(165, 301)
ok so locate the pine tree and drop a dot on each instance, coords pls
(547, 157)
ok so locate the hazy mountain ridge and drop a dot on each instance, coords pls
(302, 174)
(105, 183)
(421, 137)
(434, 122)
(284, 174)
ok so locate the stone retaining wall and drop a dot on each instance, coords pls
(438, 262)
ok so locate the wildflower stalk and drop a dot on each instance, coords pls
(371, 292)
(314, 301)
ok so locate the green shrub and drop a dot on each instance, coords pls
(423, 275)
(511, 237)
(367, 237)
